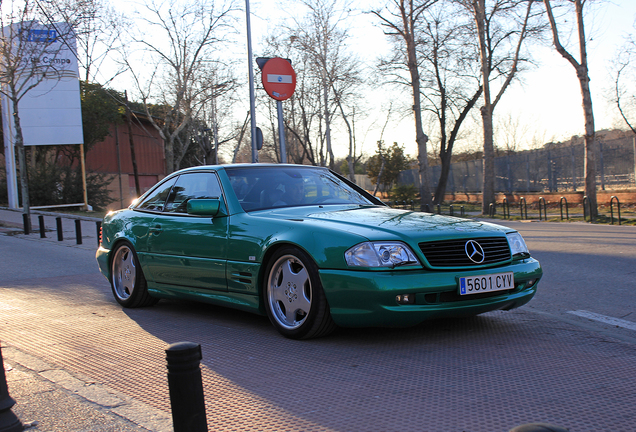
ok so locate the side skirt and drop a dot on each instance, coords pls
(245, 302)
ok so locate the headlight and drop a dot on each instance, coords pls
(380, 254)
(517, 245)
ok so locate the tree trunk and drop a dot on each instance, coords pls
(440, 191)
(420, 136)
(590, 133)
(351, 156)
(446, 151)
(240, 138)
(583, 76)
(327, 123)
(488, 174)
(131, 141)
(24, 178)
(379, 180)
(168, 146)
(590, 145)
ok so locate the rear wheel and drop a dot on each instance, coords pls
(127, 279)
(294, 297)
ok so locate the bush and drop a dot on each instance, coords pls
(54, 181)
(406, 193)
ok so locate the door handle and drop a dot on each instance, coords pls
(156, 229)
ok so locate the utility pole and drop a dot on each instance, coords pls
(251, 77)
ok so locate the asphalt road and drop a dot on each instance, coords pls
(590, 268)
(567, 358)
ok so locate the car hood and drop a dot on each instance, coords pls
(377, 222)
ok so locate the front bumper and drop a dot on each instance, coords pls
(368, 298)
(102, 261)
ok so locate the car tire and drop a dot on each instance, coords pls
(294, 298)
(127, 279)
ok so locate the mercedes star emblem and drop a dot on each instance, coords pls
(474, 251)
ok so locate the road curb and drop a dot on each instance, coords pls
(93, 395)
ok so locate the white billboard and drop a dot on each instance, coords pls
(50, 113)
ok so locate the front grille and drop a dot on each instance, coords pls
(452, 253)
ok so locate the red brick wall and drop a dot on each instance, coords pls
(148, 152)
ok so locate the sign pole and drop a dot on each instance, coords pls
(281, 132)
(279, 81)
(251, 79)
(83, 166)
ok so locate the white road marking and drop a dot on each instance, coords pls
(605, 319)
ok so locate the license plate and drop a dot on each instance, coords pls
(486, 283)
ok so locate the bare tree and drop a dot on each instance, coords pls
(624, 79)
(401, 23)
(501, 27)
(582, 73)
(511, 131)
(625, 102)
(24, 45)
(328, 77)
(181, 40)
(303, 111)
(97, 28)
(451, 84)
(322, 37)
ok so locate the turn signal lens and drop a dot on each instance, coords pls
(517, 245)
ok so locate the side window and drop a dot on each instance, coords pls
(192, 186)
(156, 200)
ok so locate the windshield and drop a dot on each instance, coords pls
(260, 188)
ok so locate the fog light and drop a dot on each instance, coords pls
(525, 285)
(405, 298)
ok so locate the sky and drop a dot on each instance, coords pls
(545, 101)
(550, 95)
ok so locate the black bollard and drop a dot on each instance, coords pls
(186, 387)
(58, 221)
(9, 422)
(42, 228)
(78, 231)
(98, 225)
(27, 223)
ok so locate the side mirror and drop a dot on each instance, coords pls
(205, 207)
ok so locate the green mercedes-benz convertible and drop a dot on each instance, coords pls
(310, 249)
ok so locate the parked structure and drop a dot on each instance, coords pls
(113, 156)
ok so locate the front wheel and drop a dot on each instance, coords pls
(294, 297)
(127, 280)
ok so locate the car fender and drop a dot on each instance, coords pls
(324, 245)
(129, 225)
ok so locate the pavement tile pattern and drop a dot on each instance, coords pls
(70, 348)
(488, 373)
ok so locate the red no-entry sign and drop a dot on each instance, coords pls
(278, 78)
